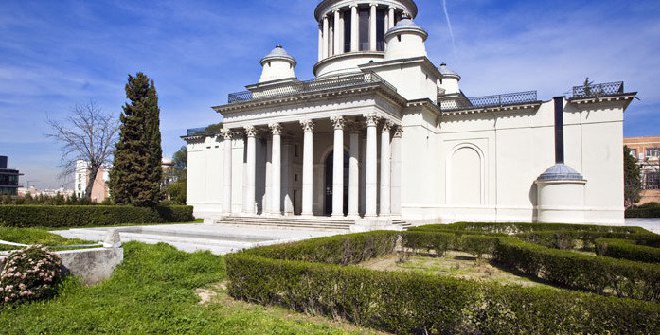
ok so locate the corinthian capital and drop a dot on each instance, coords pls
(372, 119)
(338, 122)
(387, 125)
(276, 128)
(307, 125)
(251, 131)
(227, 134)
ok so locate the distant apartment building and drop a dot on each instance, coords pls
(647, 151)
(100, 189)
(8, 178)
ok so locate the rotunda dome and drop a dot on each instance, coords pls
(352, 32)
(277, 65)
(561, 172)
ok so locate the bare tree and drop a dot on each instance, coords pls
(86, 134)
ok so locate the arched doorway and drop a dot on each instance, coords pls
(328, 183)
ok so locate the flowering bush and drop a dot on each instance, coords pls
(30, 274)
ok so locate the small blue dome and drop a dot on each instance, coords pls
(407, 25)
(561, 172)
(446, 72)
(278, 54)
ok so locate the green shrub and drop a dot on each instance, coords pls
(646, 211)
(619, 248)
(477, 245)
(342, 249)
(604, 275)
(513, 228)
(406, 303)
(98, 215)
(30, 274)
(439, 242)
(578, 240)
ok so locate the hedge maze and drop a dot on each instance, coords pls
(613, 289)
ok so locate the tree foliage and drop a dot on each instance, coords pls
(86, 134)
(632, 180)
(137, 173)
(177, 191)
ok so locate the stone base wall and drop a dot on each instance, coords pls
(91, 265)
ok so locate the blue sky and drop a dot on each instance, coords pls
(56, 54)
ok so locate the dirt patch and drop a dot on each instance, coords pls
(454, 264)
(207, 295)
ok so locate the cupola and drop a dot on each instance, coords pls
(352, 32)
(450, 80)
(277, 65)
(405, 40)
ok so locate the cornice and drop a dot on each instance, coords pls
(229, 109)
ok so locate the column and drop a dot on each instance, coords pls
(320, 43)
(251, 169)
(354, 170)
(338, 167)
(336, 33)
(226, 196)
(276, 168)
(395, 177)
(326, 37)
(372, 27)
(385, 208)
(355, 29)
(390, 17)
(371, 170)
(341, 32)
(308, 168)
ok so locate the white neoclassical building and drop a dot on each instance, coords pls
(384, 135)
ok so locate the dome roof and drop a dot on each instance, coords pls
(446, 72)
(278, 54)
(561, 172)
(407, 25)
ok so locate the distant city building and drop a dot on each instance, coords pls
(647, 151)
(8, 178)
(35, 192)
(100, 189)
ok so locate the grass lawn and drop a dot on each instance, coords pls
(157, 290)
(34, 236)
(454, 264)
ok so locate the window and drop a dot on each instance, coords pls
(347, 30)
(653, 152)
(380, 30)
(364, 28)
(633, 152)
(651, 181)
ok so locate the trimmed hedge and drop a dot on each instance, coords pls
(619, 248)
(406, 303)
(341, 250)
(579, 240)
(646, 211)
(604, 275)
(98, 215)
(513, 228)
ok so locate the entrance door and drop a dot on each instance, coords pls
(328, 183)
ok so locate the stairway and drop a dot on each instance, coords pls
(324, 223)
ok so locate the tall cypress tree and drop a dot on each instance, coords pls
(136, 176)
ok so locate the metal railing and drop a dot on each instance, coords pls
(453, 103)
(196, 131)
(598, 90)
(310, 86)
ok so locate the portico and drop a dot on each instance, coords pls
(296, 152)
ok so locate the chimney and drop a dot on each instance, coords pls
(3, 162)
(559, 130)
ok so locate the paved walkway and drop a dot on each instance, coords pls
(220, 239)
(649, 224)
